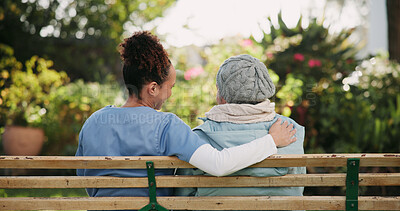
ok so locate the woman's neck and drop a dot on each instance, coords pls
(133, 101)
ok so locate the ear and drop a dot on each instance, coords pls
(153, 89)
(220, 99)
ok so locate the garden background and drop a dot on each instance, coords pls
(59, 63)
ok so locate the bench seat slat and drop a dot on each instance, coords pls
(199, 203)
(290, 180)
(135, 162)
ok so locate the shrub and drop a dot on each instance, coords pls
(311, 64)
(70, 106)
(25, 92)
(35, 95)
(378, 89)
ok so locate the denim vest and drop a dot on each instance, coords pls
(224, 135)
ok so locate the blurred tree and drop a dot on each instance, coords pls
(80, 36)
(393, 17)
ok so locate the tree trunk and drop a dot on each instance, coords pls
(393, 17)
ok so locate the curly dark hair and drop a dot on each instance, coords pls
(144, 60)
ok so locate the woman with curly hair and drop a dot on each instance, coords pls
(138, 129)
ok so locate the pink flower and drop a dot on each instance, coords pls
(298, 57)
(247, 42)
(314, 63)
(193, 72)
(270, 55)
(349, 61)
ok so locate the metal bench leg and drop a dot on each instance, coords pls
(153, 205)
(352, 184)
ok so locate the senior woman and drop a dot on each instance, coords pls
(138, 129)
(244, 111)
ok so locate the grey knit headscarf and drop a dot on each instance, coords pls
(244, 79)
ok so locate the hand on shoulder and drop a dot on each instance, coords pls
(282, 133)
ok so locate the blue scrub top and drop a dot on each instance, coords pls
(134, 131)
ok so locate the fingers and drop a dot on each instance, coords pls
(292, 133)
(277, 123)
(283, 132)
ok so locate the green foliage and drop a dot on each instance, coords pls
(24, 97)
(35, 95)
(366, 118)
(8, 64)
(310, 54)
(69, 107)
(378, 87)
(344, 107)
(316, 74)
(80, 36)
(311, 63)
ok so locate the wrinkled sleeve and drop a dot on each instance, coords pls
(176, 138)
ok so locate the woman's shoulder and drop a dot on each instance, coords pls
(296, 147)
(209, 125)
(167, 116)
(290, 120)
(95, 115)
(131, 115)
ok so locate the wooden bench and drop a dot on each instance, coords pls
(350, 201)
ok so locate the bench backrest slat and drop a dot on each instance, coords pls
(135, 162)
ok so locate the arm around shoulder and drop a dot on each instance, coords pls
(229, 160)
